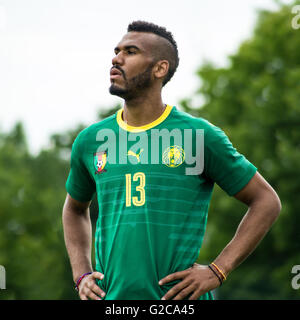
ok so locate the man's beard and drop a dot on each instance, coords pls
(134, 85)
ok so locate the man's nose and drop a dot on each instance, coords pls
(118, 59)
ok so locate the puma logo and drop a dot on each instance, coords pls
(137, 155)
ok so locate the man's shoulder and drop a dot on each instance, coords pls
(196, 122)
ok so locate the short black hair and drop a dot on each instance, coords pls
(169, 53)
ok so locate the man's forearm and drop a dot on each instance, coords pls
(78, 240)
(253, 227)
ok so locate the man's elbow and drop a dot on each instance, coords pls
(274, 204)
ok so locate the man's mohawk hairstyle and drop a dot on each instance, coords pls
(143, 26)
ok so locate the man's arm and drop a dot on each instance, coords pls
(263, 209)
(78, 240)
(78, 235)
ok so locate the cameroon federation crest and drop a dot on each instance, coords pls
(173, 156)
(100, 159)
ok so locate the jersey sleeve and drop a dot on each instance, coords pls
(223, 164)
(79, 184)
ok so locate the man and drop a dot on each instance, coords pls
(152, 212)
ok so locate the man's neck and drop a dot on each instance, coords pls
(143, 110)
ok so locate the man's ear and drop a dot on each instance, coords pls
(161, 69)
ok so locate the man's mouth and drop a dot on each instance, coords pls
(115, 73)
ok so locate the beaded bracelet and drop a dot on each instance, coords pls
(79, 280)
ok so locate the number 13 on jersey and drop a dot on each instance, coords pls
(140, 178)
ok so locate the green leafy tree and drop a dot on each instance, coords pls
(32, 195)
(31, 241)
(255, 100)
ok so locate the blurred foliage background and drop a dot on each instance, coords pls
(255, 100)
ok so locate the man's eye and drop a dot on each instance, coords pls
(131, 52)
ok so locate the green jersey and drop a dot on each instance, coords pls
(152, 210)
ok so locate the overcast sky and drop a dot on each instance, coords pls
(55, 55)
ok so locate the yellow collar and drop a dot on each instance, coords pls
(156, 122)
